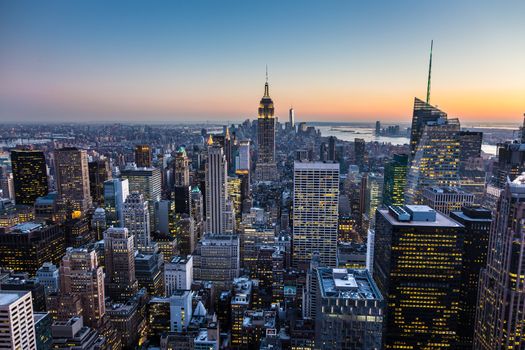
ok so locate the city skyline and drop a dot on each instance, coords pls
(173, 62)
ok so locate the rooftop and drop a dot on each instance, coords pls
(414, 215)
(27, 227)
(347, 284)
(8, 297)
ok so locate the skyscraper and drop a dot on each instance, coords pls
(216, 190)
(182, 168)
(266, 169)
(137, 221)
(500, 312)
(359, 153)
(99, 172)
(29, 175)
(119, 259)
(25, 247)
(477, 222)
(422, 115)
(331, 149)
(315, 212)
(81, 276)
(116, 191)
(470, 142)
(143, 156)
(17, 327)
(182, 189)
(72, 176)
(446, 199)
(436, 158)
(342, 290)
(291, 116)
(417, 267)
(395, 180)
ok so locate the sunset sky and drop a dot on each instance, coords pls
(145, 61)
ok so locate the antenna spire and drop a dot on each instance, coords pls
(266, 89)
(429, 72)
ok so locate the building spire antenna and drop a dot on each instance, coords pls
(429, 72)
(267, 73)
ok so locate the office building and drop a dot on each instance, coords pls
(470, 146)
(266, 169)
(17, 327)
(315, 212)
(423, 114)
(182, 188)
(98, 223)
(332, 157)
(116, 191)
(360, 153)
(350, 310)
(180, 310)
(119, 260)
(395, 180)
(48, 276)
(216, 259)
(436, 159)
(29, 175)
(81, 276)
(417, 267)
(499, 315)
(99, 172)
(216, 190)
(43, 322)
(446, 199)
(148, 271)
(510, 162)
(178, 274)
(73, 334)
(143, 156)
(477, 222)
(25, 247)
(137, 221)
(374, 195)
(72, 180)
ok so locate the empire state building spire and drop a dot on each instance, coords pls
(266, 169)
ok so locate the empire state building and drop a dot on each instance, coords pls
(266, 169)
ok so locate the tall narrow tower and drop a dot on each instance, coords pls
(266, 169)
(216, 190)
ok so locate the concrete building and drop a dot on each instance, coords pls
(178, 274)
(350, 310)
(446, 199)
(17, 327)
(315, 212)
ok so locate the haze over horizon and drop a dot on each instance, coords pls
(165, 61)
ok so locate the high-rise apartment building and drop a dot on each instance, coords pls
(315, 212)
(17, 327)
(500, 312)
(72, 178)
(137, 221)
(147, 181)
(29, 175)
(417, 267)
(119, 261)
(216, 190)
(395, 180)
(266, 169)
(143, 156)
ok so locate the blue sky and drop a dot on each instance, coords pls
(189, 60)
